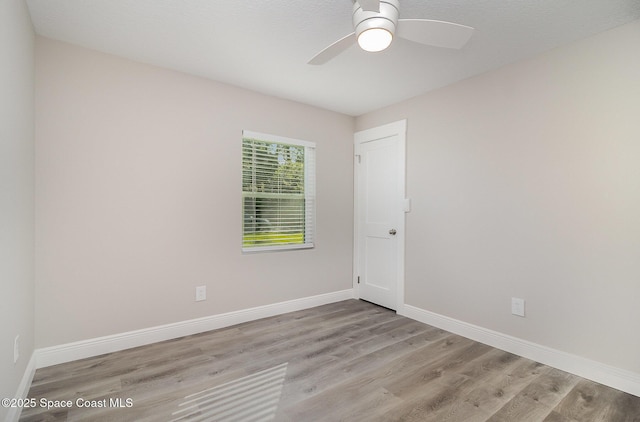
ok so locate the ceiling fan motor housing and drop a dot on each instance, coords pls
(386, 18)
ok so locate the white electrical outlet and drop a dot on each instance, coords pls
(16, 349)
(517, 306)
(201, 293)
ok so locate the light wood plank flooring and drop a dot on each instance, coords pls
(347, 361)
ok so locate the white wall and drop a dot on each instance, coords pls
(138, 197)
(16, 193)
(526, 182)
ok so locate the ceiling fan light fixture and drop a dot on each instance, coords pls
(375, 39)
(374, 30)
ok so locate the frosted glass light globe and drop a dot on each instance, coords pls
(375, 39)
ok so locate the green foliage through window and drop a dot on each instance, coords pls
(276, 202)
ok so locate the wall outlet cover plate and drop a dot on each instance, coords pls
(517, 306)
(201, 293)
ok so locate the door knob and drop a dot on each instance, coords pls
(392, 232)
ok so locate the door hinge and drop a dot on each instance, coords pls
(359, 158)
(358, 279)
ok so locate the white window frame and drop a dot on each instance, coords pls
(309, 193)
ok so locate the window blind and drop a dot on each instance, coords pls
(278, 192)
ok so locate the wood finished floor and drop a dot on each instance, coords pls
(347, 361)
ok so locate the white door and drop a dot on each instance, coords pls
(379, 214)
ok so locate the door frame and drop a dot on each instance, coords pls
(399, 129)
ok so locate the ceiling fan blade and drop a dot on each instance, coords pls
(436, 33)
(333, 50)
(369, 5)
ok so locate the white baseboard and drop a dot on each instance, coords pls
(23, 389)
(97, 346)
(617, 378)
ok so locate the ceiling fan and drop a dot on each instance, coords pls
(376, 22)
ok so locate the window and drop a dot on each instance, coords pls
(278, 192)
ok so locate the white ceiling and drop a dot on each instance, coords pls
(264, 45)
